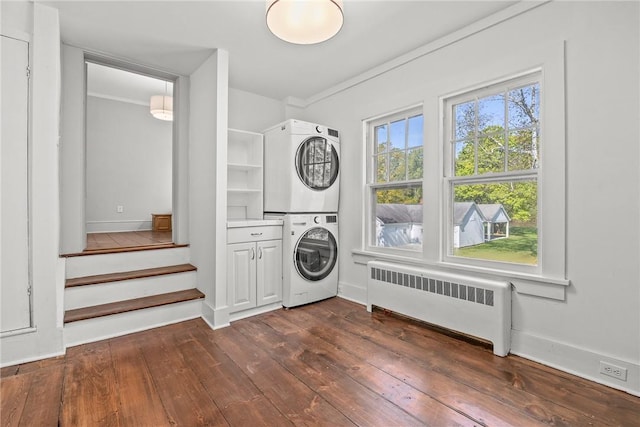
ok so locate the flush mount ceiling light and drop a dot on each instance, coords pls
(161, 106)
(304, 21)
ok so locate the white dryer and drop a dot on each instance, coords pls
(301, 168)
(310, 257)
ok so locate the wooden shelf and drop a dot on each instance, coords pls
(244, 174)
(244, 190)
(243, 166)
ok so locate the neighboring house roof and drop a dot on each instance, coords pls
(494, 212)
(393, 213)
(390, 213)
(462, 211)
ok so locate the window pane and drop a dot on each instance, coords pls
(381, 138)
(524, 146)
(398, 217)
(491, 114)
(416, 127)
(524, 106)
(415, 162)
(397, 166)
(465, 119)
(464, 158)
(491, 153)
(496, 221)
(398, 139)
(381, 168)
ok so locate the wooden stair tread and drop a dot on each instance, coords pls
(131, 305)
(128, 275)
(124, 249)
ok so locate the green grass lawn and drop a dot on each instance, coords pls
(521, 247)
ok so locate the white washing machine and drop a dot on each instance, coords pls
(301, 168)
(310, 257)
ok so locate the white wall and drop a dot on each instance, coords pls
(128, 164)
(45, 339)
(73, 236)
(600, 318)
(207, 182)
(251, 112)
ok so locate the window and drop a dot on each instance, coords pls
(395, 170)
(492, 162)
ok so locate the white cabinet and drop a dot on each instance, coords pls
(244, 175)
(254, 266)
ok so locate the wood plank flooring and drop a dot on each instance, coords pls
(329, 363)
(97, 241)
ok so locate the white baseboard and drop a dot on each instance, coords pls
(574, 360)
(118, 226)
(351, 292)
(216, 318)
(254, 311)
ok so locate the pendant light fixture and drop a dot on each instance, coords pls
(304, 21)
(161, 106)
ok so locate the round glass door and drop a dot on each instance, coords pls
(316, 254)
(317, 163)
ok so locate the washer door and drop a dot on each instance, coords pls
(316, 254)
(317, 163)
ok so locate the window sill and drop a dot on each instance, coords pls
(526, 284)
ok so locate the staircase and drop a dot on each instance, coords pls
(112, 293)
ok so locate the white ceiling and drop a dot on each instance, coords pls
(122, 85)
(176, 36)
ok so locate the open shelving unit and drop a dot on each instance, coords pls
(244, 175)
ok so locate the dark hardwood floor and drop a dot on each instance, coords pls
(127, 239)
(329, 363)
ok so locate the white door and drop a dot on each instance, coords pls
(241, 274)
(269, 280)
(14, 252)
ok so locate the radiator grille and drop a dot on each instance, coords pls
(436, 286)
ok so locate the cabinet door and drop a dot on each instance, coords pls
(269, 286)
(241, 275)
(14, 262)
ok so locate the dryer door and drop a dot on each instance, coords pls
(316, 254)
(317, 163)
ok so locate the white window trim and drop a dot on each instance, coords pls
(552, 282)
(369, 223)
(449, 178)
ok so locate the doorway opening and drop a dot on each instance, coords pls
(129, 159)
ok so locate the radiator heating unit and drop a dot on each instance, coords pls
(473, 306)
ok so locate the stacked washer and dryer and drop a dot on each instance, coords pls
(301, 187)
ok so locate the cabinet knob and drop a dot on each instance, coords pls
(253, 253)
(259, 253)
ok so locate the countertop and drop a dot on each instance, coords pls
(235, 223)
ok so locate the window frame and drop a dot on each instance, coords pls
(371, 185)
(449, 179)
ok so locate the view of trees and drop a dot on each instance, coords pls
(499, 133)
(495, 145)
(399, 157)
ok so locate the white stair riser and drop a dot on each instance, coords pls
(100, 328)
(104, 293)
(90, 265)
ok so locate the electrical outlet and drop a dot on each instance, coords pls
(613, 371)
(119, 208)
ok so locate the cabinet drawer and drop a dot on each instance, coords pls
(253, 234)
